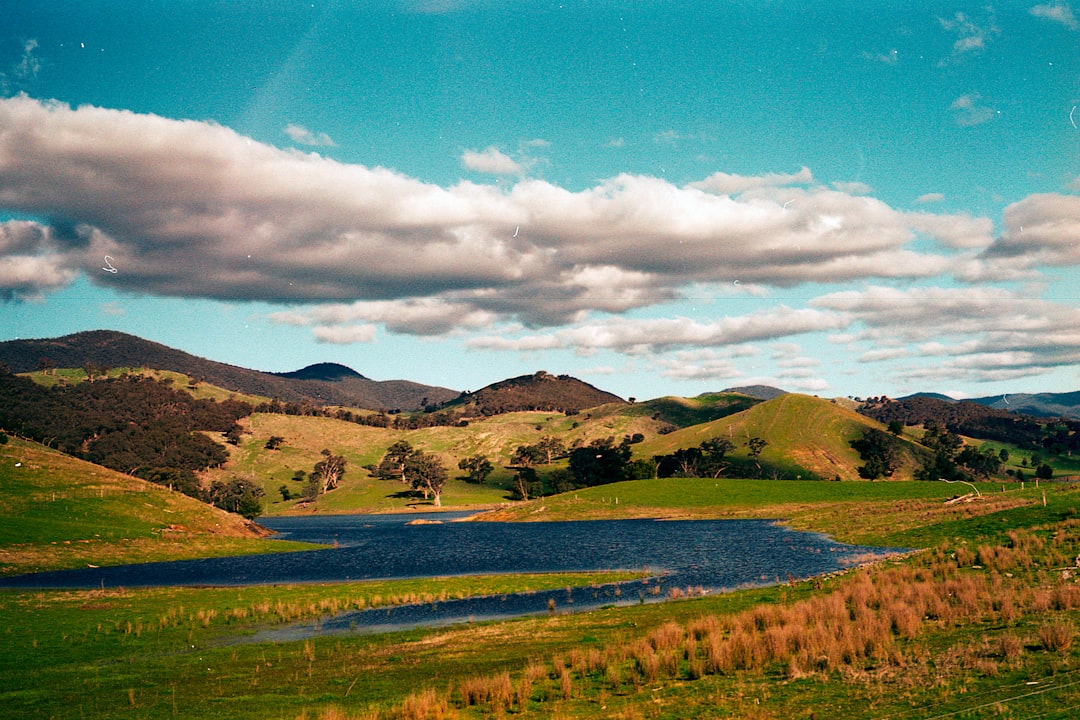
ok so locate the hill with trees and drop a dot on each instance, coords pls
(804, 438)
(540, 391)
(59, 511)
(313, 385)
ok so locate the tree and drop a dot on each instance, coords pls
(233, 434)
(756, 445)
(478, 468)
(393, 462)
(526, 483)
(237, 496)
(713, 456)
(274, 442)
(551, 448)
(896, 427)
(599, 463)
(526, 456)
(1003, 455)
(425, 472)
(879, 453)
(286, 494)
(945, 446)
(328, 472)
(1044, 472)
(980, 463)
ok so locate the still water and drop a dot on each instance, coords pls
(713, 555)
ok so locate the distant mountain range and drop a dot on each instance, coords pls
(321, 384)
(336, 384)
(761, 392)
(1044, 405)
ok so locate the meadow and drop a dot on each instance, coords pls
(982, 623)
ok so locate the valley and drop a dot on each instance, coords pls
(980, 616)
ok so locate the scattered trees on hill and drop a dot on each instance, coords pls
(136, 425)
(709, 459)
(328, 471)
(600, 462)
(880, 453)
(392, 464)
(477, 467)
(425, 472)
(952, 460)
(238, 496)
(273, 442)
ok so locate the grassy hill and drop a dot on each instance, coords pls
(808, 438)
(496, 436)
(57, 511)
(683, 412)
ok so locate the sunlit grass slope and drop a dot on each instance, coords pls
(57, 511)
(808, 438)
(497, 437)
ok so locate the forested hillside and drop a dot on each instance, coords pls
(132, 424)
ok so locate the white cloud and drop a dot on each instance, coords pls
(303, 136)
(347, 335)
(1040, 230)
(194, 209)
(929, 198)
(1058, 12)
(727, 184)
(658, 335)
(981, 334)
(969, 111)
(971, 36)
(491, 161)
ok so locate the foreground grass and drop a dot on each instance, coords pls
(983, 624)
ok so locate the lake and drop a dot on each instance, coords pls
(707, 555)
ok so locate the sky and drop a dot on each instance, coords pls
(839, 198)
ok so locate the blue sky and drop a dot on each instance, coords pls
(658, 197)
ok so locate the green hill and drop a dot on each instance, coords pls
(683, 412)
(57, 511)
(808, 438)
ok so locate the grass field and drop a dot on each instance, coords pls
(983, 624)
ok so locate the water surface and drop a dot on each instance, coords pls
(705, 555)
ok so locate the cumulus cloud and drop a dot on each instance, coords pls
(32, 261)
(1041, 229)
(303, 136)
(337, 335)
(190, 208)
(633, 336)
(491, 161)
(1058, 12)
(727, 184)
(982, 334)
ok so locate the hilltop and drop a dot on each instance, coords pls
(313, 385)
(540, 391)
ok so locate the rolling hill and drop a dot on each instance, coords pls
(540, 391)
(808, 438)
(325, 384)
(58, 511)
